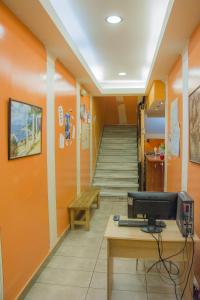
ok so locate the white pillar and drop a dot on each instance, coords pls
(51, 151)
(185, 118)
(166, 136)
(91, 143)
(78, 138)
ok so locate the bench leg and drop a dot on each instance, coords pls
(87, 219)
(72, 218)
(98, 201)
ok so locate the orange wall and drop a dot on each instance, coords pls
(97, 127)
(174, 167)
(194, 169)
(111, 113)
(149, 145)
(23, 182)
(85, 153)
(65, 96)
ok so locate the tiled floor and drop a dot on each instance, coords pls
(77, 271)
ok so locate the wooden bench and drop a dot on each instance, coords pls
(83, 204)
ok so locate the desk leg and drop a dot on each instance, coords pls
(98, 200)
(188, 295)
(109, 272)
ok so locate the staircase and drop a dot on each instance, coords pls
(117, 165)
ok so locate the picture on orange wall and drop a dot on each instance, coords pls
(194, 123)
(25, 129)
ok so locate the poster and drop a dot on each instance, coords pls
(85, 136)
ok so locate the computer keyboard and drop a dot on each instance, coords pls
(138, 223)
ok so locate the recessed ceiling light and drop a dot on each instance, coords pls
(122, 74)
(113, 19)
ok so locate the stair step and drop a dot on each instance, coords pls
(117, 158)
(118, 147)
(106, 140)
(117, 184)
(116, 166)
(116, 193)
(126, 175)
(119, 135)
(118, 152)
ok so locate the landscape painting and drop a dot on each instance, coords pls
(25, 129)
(194, 123)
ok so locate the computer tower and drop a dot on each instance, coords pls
(185, 214)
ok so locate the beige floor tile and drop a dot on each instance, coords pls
(82, 251)
(82, 241)
(126, 266)
(104, 244)
(72, 263)
(54, 292)
(96, 294)
(101, 265)
(161, 297)
(83, 234)
(65, 277)
(103, 253)
(155, 284)
(99, 281)
(129, 282)
(127, 295)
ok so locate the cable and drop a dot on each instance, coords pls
(163, 262)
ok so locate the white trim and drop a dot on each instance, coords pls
(91, 142)
(51, 151)
(78, 138)
(1, 275)
(166, 136)
(185, 128)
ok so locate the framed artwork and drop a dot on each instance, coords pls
(194, 125)
(24, 129)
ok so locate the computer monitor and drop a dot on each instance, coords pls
(152, 206)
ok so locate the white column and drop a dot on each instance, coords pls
(51, 151)
(166, 136)
(78, 137)
(185, 134)
(91, 143)
(1, 275)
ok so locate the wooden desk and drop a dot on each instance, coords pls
(131, 242)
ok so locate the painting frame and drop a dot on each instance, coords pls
(32, 106)
(194, 98)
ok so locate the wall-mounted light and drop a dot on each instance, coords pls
(122, 74)
(114, 19)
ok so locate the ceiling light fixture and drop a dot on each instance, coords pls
(122, 74)
(114, 19)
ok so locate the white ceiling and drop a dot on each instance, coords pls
(184, 17)
(107, 49)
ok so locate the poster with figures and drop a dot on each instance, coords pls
(174, 135)
(68, 129)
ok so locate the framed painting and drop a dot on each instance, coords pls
(194, 125)
(24, 129)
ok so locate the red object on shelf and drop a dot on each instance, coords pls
(162, 156)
